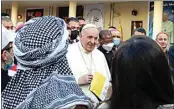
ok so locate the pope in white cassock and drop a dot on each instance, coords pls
(84, 60)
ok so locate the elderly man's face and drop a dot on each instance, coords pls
(162, 40)
(8, 25)
(89, 38)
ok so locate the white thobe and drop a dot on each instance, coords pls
(82, 62)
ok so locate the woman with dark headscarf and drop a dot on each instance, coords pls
(141, 76)
(43, 79)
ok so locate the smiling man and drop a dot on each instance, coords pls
(85, 59)
(162, 40)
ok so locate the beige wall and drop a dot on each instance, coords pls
(22, 11)
(125, 8)
(107, 15)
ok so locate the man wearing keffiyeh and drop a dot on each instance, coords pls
(44, 79)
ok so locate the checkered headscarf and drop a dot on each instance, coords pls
(43, 79)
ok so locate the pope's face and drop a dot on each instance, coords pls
(89, 39)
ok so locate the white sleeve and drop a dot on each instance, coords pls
(107, 71)
(70, 57)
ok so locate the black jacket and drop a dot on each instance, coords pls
(170, 55)
(4, 78)
(108, 55)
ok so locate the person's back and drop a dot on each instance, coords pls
(141, 76)
(43, 79)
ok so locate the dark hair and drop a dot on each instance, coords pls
(141, 77)
(4, 14)
(80, 18)
(104, 32)
(113, 27)
(141, 30)
(72, 19)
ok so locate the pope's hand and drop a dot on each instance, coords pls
(85, 79)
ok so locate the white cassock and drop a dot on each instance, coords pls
(82, 63)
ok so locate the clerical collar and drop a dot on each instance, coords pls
(82, 49)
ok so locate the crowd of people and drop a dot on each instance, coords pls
(56, 62)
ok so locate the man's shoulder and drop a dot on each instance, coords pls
(72, 46)
(171, 48)
(98, 52)
(72, 50)
(100, 48)
(168, 22)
